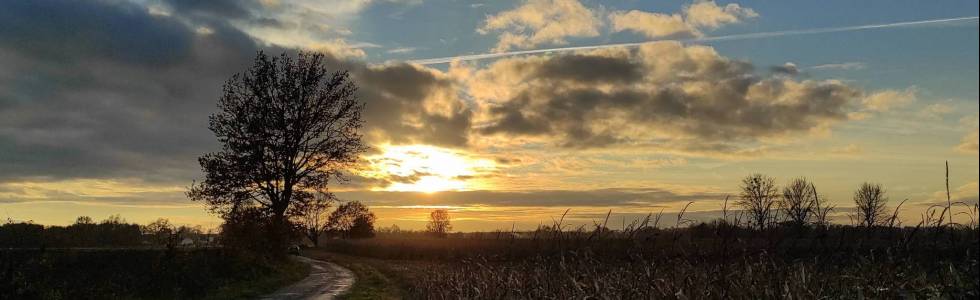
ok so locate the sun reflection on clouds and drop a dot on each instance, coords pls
(423, 168)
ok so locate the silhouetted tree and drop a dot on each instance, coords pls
(287, 127)
(352, 220)
(758, 199)
(363, 227)
(313, 216)
(114, 231)
(797, 203)
(84, 220)
(439, 223)
(393, 229)
(159, 231)
(870, 200)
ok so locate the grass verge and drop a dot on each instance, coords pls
(280, 275)
(375, 278)
(141, 274)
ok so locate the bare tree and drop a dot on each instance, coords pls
(870, 200)
(758, 199)
(798, 201)
(312, 216)
(287, 127)
(439, 223)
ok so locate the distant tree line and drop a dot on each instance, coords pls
(114, 231)
(351, 220)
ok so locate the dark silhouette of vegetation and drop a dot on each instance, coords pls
(352, 220)
(116, 259)
(821, 209)
(439, 224)
(870, 201)
(758, 199)
(727, 258)
(111, 232)
(248, 229)
(798, 202)
(287, 127)
(161, 232)
(705, 260)
(312, 216)
(211, 273)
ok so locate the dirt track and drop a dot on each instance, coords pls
(326, 281)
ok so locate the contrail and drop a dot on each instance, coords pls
(757, 35)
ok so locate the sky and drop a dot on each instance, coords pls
(507, 113)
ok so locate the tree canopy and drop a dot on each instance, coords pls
(287, 127)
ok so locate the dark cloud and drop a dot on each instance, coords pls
(588, 69)
(785, 69)
(667, 89)
(112, 92)
(397, 95)
(117, 92)
(74, 32)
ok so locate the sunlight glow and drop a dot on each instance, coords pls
(423, 168)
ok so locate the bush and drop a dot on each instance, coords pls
(252, 230)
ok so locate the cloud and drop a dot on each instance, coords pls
(730, 37)
(847, 66)
(307, 24)
(850, 149)
(91, 190)
(689, 23)
(138, 36)
(966, 194)
(338, 48)
(84, 103)
(652, 25)
(402, 50)
(120, 93)
(707, 14)
(539, 22)
(411, 104)
(230, 9)
(886, 100)
(660, 92)
(786, 69)
(937, 110)
(968, 144)
(645, 197)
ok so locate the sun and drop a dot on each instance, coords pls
(423, 168)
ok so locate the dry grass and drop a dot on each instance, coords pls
(702, 261)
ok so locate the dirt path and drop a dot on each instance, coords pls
(326, 281)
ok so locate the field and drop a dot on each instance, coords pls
(703, 261)
(140, 274)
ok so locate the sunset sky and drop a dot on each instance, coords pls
(630, 106)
